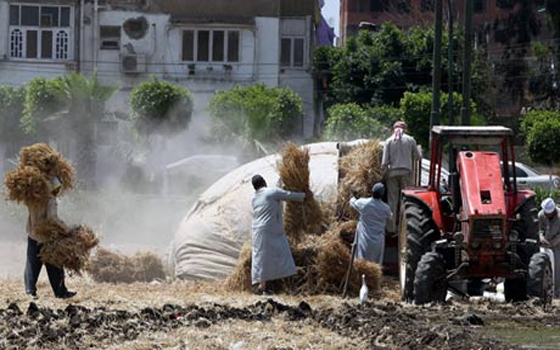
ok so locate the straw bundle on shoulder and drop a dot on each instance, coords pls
(49, 162)
(299, 218)
(50, 230)
(112, 267)
(361, 169)
(27, 185)
(71, 251)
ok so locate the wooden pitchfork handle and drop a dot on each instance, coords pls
(350, 267)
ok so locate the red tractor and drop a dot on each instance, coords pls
(478, 226)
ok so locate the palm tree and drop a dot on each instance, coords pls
(86, 105)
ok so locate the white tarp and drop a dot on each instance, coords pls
(208, 241)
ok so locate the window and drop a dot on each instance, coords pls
(210, 45)
(110, 37)
(427, 5)
(504, 4)
(375, 6)
(292, 52)
(479, 6)
(40, 32)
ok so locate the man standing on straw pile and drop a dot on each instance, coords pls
(272, 258)
(399, 154)
(370, 233)
(37, 215)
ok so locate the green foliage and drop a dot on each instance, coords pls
(256, 112)
(416, 109)
(348, 122)
(81, 90)
(543, 193)
(160, 107)
(11, 109)
(43, 99)
(543, 141)
(377, 68)
(533, 117)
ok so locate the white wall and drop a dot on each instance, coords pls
(4, 26)
(268, 50)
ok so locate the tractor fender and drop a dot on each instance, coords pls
(521, 197)
(428, 198)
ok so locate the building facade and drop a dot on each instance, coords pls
(205, 46)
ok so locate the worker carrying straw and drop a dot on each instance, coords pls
(399, 154)
(41, 176)
(370, 233)
(549, 232)
(272, 258)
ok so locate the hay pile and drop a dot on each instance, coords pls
(359, 170)
(69, 249)
(321, 267)
(299, 218)
(112, 267)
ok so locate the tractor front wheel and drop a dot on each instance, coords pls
(430, 281)
(539, 278)
(515, 289)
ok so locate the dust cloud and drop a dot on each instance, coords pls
(143, 187)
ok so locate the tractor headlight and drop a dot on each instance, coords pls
(497, 245)
(475, 245)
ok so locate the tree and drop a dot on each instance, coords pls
(86, 99)
(256, 113)
(416, 109)
(11, 110)
(543, 137)
(44, 99)
(348, 122)
(160, 107)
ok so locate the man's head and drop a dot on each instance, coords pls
(258, 182)
(378, 190)
(549, 207)
(399, 124)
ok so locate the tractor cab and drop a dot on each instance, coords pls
(478, 226)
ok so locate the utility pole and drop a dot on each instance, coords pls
(450, 45)
(436, 76)
(466, 109)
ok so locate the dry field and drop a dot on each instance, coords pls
(204, 315)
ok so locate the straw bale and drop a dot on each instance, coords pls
(321, 264)
(359, 170)
(50, 230)
(50, 162)
(113, 267)
(26, 184)
(71, 251)
(240, 279)
(299, 218)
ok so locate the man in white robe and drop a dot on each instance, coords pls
(272, 257)
(549, 229)
(370, 233)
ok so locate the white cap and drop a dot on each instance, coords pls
(548, 205)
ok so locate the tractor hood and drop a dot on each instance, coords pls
(481, 184)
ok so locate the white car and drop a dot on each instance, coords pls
(528, 177)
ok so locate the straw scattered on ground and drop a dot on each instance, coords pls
(299, 218)
(113, 267)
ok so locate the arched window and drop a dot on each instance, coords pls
(61, 45)
(16, 43)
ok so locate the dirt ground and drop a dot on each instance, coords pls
(202, 315)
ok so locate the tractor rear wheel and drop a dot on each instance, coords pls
(430, 282)
(539, 278)
(417, 231)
